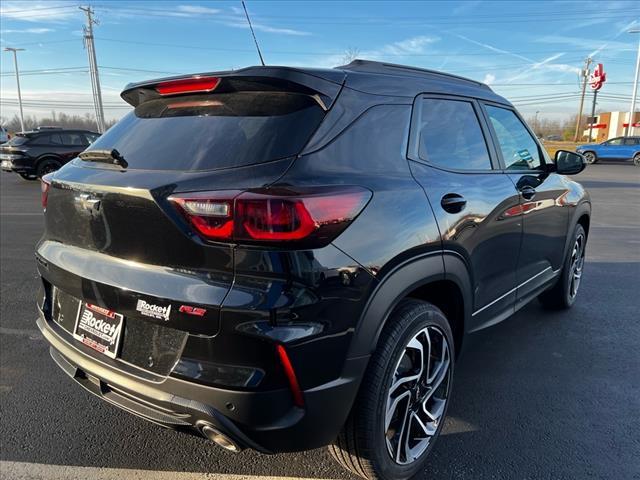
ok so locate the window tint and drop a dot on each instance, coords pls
(73, 139)
(55, 139)
(91, 137)
(204, 132)
(41, 140)
(519, 149)
(18, 140)
(630, 141)
(451, 137)
(614, 141)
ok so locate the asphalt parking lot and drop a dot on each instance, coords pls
(540, 396)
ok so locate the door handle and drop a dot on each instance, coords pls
(453, 203)
(528, 192)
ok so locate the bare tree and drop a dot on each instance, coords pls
(350, 54)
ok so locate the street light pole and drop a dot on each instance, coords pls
(15, 63)
(535, 127)
(629, 129)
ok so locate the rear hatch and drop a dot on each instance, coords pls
(113, 238)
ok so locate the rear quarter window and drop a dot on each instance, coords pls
(206, 132)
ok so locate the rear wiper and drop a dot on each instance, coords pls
(106, 156)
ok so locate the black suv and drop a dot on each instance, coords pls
(44, 150)
(281, 258)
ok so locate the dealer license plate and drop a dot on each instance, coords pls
(99, 328)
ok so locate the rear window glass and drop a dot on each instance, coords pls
(205, 132)
(17, 140)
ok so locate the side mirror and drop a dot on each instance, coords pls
(569, 163)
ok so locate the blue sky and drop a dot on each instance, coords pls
(530, 52)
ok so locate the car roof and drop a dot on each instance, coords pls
(49, 131)
(392, 79)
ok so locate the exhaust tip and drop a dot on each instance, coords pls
(219, 438)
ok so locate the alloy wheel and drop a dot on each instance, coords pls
(636, 160)
(590, 157)
(418, 395)
(48, 169)
(576, 265)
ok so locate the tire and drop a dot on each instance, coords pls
(28, 176)
(47, 165)
(563, 294)
(636, 159)
(590, 157)
(391, 386)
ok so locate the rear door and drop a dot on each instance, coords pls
(75, 142)
(474, 202)
(542, 207)
(612, 149)
(630, 147)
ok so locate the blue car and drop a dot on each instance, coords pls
(619, 148)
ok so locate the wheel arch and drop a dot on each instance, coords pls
(438, 278)
(48, 156)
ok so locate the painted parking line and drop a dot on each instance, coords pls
(39, 471)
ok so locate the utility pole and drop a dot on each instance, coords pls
(585, 76)
(15, 66)
(93, 67)
(593, 114)
(629, 129)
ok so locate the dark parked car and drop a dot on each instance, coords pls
(281, 258)
(36, 153)
(619, 148)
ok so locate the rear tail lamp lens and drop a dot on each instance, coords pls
(45, 185)
(188, 85)
(314, 216)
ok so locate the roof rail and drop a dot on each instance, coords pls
(358, 65)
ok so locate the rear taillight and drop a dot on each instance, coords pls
(188, 85)
(313, 216)
(45, 185)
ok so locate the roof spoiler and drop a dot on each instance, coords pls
(323, 85)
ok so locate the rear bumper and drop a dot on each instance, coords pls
(266, 421)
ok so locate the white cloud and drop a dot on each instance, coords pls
(30, 30)
(197, 10)
(410, 45)
(38, 11)
(489, 78)
(266, 28)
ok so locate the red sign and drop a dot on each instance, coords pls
(635, 124)
(598, 77)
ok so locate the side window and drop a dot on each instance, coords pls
(614, 141)
(91, 137)
(519, 149)
(73, 139)
(41, 140)
(630, 141)
(55, 139)
(450, 135)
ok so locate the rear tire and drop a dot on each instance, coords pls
(563, 294)
(47, 165)
(590, 157)
(636, 159)
(403, 399)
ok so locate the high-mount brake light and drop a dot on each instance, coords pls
(313, 216)
(45, 185)
(188, 85)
